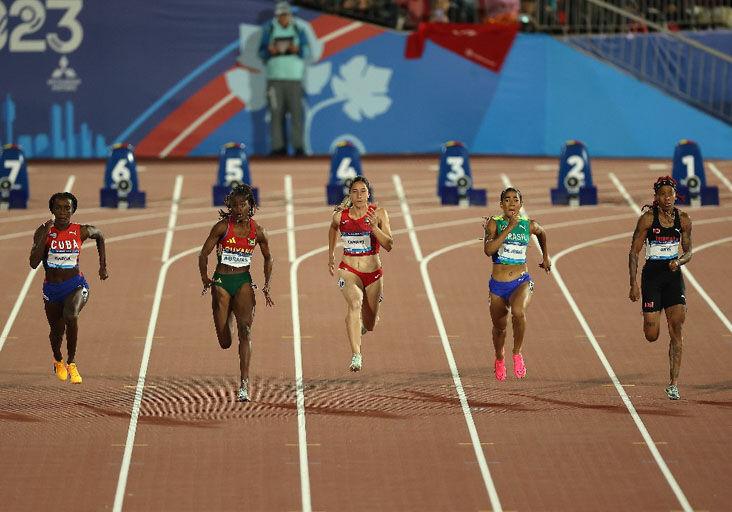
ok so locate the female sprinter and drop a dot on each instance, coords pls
(364, 229)
(235, 236)
(506, 241)
(57, 244)
(661, 229)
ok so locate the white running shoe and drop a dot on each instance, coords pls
(243, 394)
(355, 363)
(672, 391)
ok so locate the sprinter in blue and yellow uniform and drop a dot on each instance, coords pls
(661, 229)
(235, 236)
(506, 240)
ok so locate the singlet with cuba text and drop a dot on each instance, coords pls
(236, 251)
(357, 234)
(513, 249)
(662, 243)
(63, 247)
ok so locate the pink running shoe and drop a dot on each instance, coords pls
(519, 368)
(500, 368)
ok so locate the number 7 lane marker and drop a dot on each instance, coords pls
(26, 286)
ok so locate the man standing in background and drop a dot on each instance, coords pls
(283, 48)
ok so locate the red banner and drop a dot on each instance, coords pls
(486, 45)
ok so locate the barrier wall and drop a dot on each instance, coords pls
(180, 78)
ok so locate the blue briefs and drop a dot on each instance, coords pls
(504, 289)
(57, 292)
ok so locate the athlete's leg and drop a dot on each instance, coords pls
(651, 325)
(243, 304)
(372, 304)
(675, 315)
(519, 301)
(352, 290)
(499, 316)
(73, 304)
(55, 316)
(223, 319)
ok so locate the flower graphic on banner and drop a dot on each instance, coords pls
(361, 87)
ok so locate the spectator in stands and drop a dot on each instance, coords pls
(283, 48)
(440, 11)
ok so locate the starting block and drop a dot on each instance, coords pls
(233, 171)
(688, 171)
(574, 187)
(13, 177)
(345, 165)
(455, 179)
(120, 180)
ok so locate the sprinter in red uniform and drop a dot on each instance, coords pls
(235, 236)
(662, 229)
(364, 228)
(57, 244)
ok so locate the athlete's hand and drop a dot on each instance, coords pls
(48, 225)
(634, 294)
(546, 264)
(673, 265)
(331, 266)
(267, 297)
(513, 221)
(103, 273)
(372, 218)
(207, 283)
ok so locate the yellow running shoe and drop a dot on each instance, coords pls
(59, 368)
(74, 373)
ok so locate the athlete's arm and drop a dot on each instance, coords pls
(685, 242)
(96, 234)
(381, 228)
(39, 244)
(491, 240)
(213, 237)
(639, 237)
(332, 235)
(263, 242)
(536, 229)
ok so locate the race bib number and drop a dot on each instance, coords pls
(662, 251)
(62, 259)
(356, 243)
(512, 254)
(236, 259)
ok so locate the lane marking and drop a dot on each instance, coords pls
(423, 262)
(152, 324)
(660, 462)
(290, 213)
(297, 349)
(687, 273)
(719, 175)
(26, 285)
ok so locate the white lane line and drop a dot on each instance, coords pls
(609, 369)
(290, 212)
(687, 273)
(302, 439)
(172, 218)
(195, 124)
(719, 175)
(423, 262)
(26, 285)
(132, 429)
(712, 244)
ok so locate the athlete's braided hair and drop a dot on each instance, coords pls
(244, 191)
(347, 203)
(63, 195)
(662, 181)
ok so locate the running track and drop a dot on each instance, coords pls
(425, 426)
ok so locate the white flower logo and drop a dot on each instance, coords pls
(363, 88)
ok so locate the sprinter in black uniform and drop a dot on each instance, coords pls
(662, 228)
